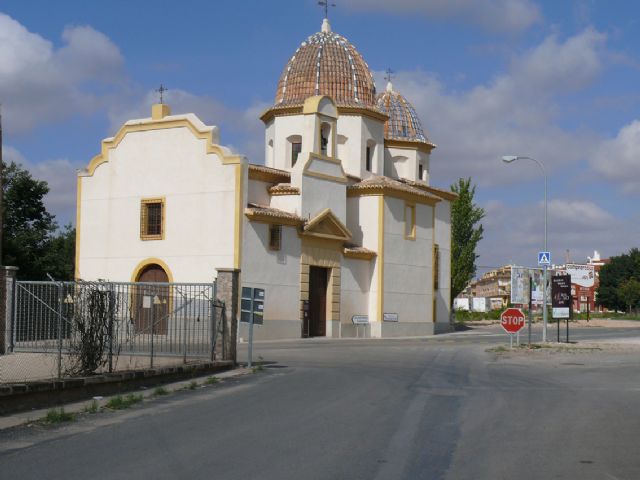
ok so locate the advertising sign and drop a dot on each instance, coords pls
(520, 277)
(520, 285)
(561, 296)
(583, 275)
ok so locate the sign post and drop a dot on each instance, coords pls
(561, 300)
(512, 321)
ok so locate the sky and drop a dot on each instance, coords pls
(557, 81)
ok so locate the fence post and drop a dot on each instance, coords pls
(59, 329)
(228, 291)
(7, 291)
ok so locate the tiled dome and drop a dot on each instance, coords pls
(327, 64)
(403, 123)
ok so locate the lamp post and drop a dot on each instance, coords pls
(511, 159)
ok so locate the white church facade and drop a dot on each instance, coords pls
(339, 231)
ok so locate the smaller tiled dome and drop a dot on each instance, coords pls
(403, 123)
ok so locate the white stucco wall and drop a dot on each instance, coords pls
(408, 282)
(355, 283)
(199, 208)
(257, 192)
(278, 272)
(443, 239)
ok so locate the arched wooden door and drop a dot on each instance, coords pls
(151, 301)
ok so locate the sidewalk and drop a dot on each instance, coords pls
(22, 418)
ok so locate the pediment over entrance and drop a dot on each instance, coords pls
(327, 225)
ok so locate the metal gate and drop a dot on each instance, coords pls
(154, 319)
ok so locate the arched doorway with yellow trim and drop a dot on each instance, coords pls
(151, 303)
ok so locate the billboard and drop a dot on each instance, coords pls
(520, 285)
(520, 278)
(583, 275)
(561, 296)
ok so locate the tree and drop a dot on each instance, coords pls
(30, 238)
(629, 292)
(466, 232)
(613, 275)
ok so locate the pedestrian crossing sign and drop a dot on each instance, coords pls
(544, 258)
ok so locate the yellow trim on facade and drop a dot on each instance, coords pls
(165, 123)
(78, 217)
(341, 232)
(412, 208)
(312, 105)
(151, 261)
(380, 258)
(391, 192)
(238, 219)
(324, 176)
(288, 111)
(409, 145)
(143, 202)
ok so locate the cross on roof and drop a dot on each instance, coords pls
(326, 4)
(161, 91)
(389, 74)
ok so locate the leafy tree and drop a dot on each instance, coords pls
(629, 291)
(466, 232)
(612, 275)
(30, 241)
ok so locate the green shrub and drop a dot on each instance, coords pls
(58, 415)
(120, 403)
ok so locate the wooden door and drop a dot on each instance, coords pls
(318, 281)
(151, 301)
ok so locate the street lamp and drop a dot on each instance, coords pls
(511, 159)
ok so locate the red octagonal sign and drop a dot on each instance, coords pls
(512, 320)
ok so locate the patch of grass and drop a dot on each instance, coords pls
(259, 365)
(57, 415)
(211, 381)
(91, 407)
(498, 349)
(120, 403)
(159, 391)
(192, 385)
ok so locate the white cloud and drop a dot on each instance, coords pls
(243, 127)
(514, 234)
(42, 84)
(493, 15)
(60, 175)
(618, 159)
(515, 113)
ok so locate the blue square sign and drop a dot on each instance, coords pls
(544, 258)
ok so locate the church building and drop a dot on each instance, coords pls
(338, 233)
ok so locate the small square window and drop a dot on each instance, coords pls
(152, 219)
(409, 221)
(275, 237)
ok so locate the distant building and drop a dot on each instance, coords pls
(585, 279)
(494, 287)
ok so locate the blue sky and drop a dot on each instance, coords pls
(555, 80)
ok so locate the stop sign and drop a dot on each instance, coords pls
(512, 320)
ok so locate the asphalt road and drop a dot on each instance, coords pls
(440, 408)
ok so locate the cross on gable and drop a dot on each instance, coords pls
(389, 74)
(161, 91)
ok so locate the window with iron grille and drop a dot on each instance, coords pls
(275, 237)
(152, 219)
